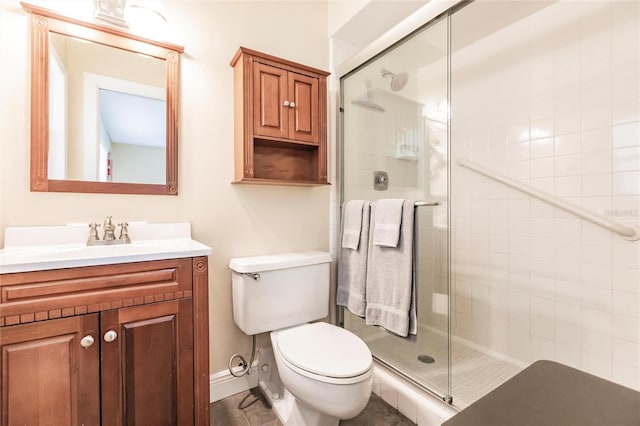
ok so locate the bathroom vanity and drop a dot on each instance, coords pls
(107, 335)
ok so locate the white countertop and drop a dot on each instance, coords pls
(40, 248)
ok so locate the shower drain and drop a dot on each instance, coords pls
(426, 359)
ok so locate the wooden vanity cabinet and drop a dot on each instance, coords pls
(154, 355)
(280, 112)
(47, 376)
(285, 104)
(111, 345)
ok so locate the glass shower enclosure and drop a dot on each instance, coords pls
(395, 143)
(468, 111)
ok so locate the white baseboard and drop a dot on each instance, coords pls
(223, 384)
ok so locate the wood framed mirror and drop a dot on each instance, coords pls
(77, 120)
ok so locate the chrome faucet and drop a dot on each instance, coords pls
(109, 237)
(109, 229)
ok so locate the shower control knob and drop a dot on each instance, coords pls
(292, 105)
(285, 103)
(110, 336)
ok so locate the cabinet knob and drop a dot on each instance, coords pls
(87, 341)
(110, 336)
(292, 105)
(285, 103)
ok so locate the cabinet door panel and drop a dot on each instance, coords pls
(303, 125)
(269, 91)
(147, 371)
(48, 378)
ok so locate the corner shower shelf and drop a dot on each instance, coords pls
(627, 232)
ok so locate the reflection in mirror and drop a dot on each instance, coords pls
(110, 104)
(131, 137)
(104, 108)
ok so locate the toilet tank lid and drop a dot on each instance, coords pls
(272, 262)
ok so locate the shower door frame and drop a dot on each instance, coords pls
(430, 14)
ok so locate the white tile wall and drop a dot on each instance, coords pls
(554, 102)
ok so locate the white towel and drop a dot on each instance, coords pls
(351, 223)
(387, 222)
(352, 269)
(390, 288)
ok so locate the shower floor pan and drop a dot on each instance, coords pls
(474, 374)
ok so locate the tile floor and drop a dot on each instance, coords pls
(249, 408)
(474, 373)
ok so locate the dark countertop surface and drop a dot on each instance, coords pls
(550, 393)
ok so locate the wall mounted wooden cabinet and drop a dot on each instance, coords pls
(280, 121)
(112, 345)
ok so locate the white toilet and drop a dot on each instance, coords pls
(326, 370)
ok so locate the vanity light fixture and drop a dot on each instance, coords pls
(138, 16)
(147, 18)
(156, 13)
(111, 11)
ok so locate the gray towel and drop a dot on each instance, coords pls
(352, 269)
(387, 221)
(390, 289)
(352, 224)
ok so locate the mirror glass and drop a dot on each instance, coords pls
(107, 113)
(104, 108)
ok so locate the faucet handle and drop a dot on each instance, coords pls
(93, 233)
(124, 232)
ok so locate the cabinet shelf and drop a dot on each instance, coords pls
(280, 121)
(259, 181)
(284, 143)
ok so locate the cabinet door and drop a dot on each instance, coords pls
(270, 115)
(303, 119)
(48, 377)
(147, 365)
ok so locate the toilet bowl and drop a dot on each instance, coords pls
(326, 370)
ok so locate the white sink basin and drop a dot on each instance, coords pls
(25, 251)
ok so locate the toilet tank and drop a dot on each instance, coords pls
(277, 291)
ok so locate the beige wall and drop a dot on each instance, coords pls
(235, 220)
(137, 163)
(340, 12)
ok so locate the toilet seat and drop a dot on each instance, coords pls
(324, 352)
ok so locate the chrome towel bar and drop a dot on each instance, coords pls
(426, 203)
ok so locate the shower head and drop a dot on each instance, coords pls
(398, 81)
